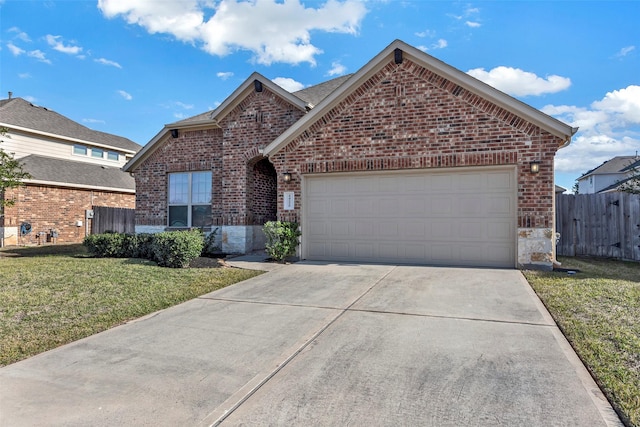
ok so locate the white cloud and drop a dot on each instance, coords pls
(472, 24)
(517, 82)
(625, 51)
(39, 55)
(93, 121)
(337, 69)
(609, 127)
(24, 75)
(426, 33)
(125, 95)
(56, 43)
(15, 50)
(224, 75)
(624, 104)
(21, 35)
(273, 31)
(108, 62)
(288, 84)
(185, 106)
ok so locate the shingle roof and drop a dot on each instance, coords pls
(74, 173)
(617, 164)
(18, 112)
(311, 95)
(314, 94)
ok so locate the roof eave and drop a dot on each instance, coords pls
(546, 122)
(66, 138)
(236, 97)
(81, 186)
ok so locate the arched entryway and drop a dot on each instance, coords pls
(262, 195)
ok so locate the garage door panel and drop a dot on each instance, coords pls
(499, 181)
(442, 205)
(449, 217)
(339, 249)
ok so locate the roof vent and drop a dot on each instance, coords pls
(10, 94)
(397, 56)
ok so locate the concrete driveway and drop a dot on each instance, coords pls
(322, 344)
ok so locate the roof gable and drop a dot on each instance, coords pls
(20, 114)
(255, 82)
(397, 52)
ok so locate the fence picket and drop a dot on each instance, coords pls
(604, 225)
(119, 220)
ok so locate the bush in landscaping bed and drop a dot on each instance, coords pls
(282, 239)
(176, 249)
(107, 245)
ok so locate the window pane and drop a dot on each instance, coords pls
(111, 155)
(178, 188)
(96, 152)
(201, 187)
(178, 216)
(80, 150)
(201, 216)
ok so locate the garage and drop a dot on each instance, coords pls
(455, 216)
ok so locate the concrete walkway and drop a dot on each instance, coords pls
(321, 344)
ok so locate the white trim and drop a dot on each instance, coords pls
(460, 78)
(65, 138)
(81, 186)
(236, 97)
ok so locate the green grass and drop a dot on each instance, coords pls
(53, 295)
(598, 310)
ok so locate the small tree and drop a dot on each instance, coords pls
(632, 184)
(11, 174)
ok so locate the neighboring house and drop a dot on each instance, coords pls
(560, 190)
(408, 160)
(609, 175)
(72, 168)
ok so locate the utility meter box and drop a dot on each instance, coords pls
(88, 214)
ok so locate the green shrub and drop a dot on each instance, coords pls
(144, 246)
(210, 247)
(176, 249)
(106, 245)
(282, 239)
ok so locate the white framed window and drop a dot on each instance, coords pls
(189, 199)
(97, 152)
(79, 150)
(112, 155)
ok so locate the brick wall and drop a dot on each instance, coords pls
(230, 152)
(406, 117)
(262, 192)
(58, 208)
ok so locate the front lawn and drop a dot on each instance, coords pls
(53, 295)
(598, 310)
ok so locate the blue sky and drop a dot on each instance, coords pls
(128, 67)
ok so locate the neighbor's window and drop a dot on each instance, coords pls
(112, 155)
(80, 150)
(97, 152)
(190, 199)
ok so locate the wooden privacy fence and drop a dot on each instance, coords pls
(603, 225)
(119, 220)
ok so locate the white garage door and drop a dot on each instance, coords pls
(459, 216)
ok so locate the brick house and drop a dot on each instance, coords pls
(408, 160)
(73, 168)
